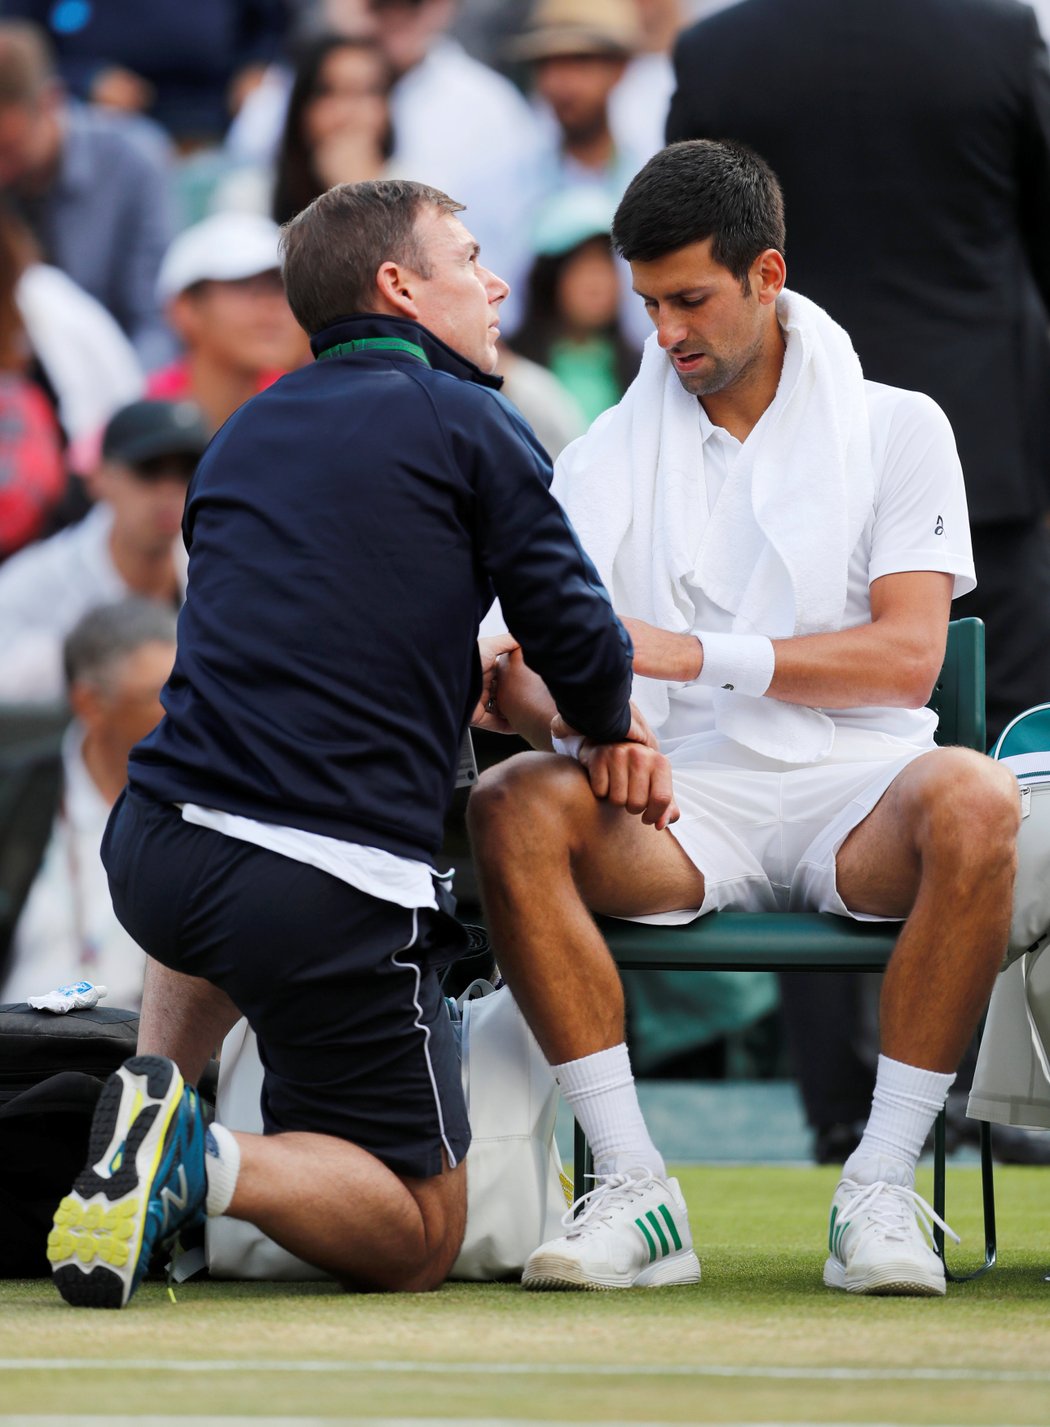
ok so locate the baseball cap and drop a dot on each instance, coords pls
(222, 248)
(147, 429)
(579, 27)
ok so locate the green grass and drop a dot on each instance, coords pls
(704, 1354)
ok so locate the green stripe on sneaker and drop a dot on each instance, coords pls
(675, 1239)
(831, 1228)
(664, 1245)
(648, 1239)
(839, 1232)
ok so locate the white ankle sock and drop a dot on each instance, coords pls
(600, 1089)
(906, 1102)
(222, 1163)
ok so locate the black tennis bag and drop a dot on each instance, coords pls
(51, 1073)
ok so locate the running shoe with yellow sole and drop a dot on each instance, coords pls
(144, 1181)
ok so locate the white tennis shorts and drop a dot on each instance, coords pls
(765, 834)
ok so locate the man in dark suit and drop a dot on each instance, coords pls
(912, 140)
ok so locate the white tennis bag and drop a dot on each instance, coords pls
(1011, 1084)
(516, 1194)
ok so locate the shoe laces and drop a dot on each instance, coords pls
(599, 1204)
(893, 1208)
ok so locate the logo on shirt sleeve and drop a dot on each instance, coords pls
(938, 529)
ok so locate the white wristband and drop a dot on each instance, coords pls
(568, 747)
(740, 663)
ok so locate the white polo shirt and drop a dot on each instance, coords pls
(918, 521)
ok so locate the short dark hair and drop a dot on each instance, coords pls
(334, 248)
(699, 189)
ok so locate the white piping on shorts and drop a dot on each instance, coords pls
(414, 966)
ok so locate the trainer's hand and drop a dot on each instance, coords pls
(639, 731)
(632, 776)
(487, 714)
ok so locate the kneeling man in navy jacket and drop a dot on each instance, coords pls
(273, 851)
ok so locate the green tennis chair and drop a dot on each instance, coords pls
(818, 941)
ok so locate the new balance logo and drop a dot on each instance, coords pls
(650, 1226)
(171, 1200)
(836, 1231)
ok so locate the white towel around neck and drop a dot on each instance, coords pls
(775, 551)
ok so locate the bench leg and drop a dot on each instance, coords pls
(987, 1194)
(582, 1164)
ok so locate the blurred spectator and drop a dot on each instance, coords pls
(185, 63)
(221, 284)
(62, 926)
(463, 128)
(68, 344)
(127, 544)
(458, 125)
(578, 51)
(92, 186)
(32, 470)
(484, 27)
(639, 103)
(337, 129)
(572, 299)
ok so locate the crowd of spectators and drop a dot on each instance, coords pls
(146, 160)
(148, 155)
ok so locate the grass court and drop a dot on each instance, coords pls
(759, 1340)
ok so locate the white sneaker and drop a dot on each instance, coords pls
(880, 1241)
(632, 1232)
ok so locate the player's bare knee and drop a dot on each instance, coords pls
(970, 809)
(529, 790)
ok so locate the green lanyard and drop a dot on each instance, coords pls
(374, 344)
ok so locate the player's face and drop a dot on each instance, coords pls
(459, 300)
(714, 333)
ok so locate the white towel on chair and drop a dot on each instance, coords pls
(774, 552)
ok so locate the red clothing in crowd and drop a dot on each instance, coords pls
(32, 471)
(173, 383)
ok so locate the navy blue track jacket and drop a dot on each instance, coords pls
(346, 529)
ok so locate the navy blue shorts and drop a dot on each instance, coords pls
(340, 987)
